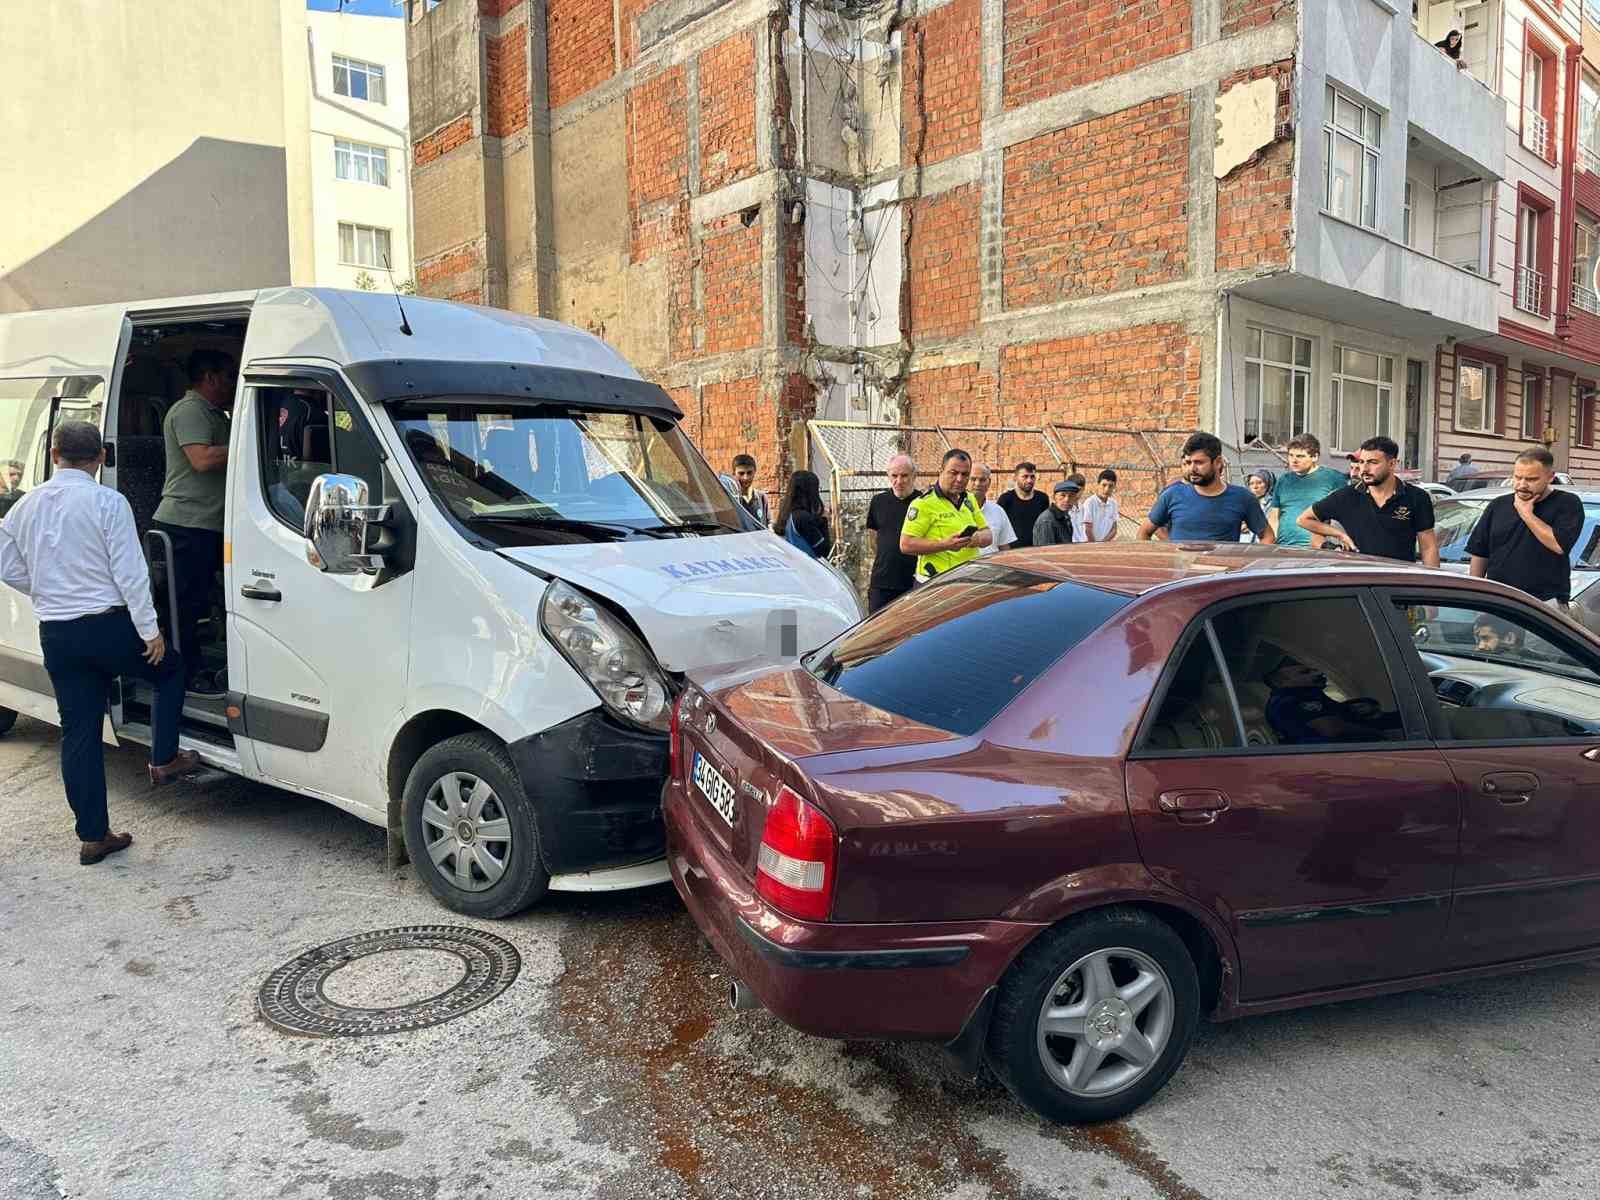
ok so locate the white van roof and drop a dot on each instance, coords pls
(310, 323)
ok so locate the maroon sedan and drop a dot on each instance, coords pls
(1054, 806)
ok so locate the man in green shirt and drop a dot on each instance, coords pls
(1298, 488)
(194, 496)
(937, 522)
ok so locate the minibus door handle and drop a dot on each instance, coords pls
(260, 591)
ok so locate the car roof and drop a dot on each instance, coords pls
(1138, 568)
(1478, 495)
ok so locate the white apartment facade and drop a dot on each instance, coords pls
(359, 150)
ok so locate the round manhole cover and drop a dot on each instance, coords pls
(388, 981)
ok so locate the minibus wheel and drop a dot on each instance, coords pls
(470, 829)
(8, 718)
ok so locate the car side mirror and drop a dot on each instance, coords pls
(338, 524)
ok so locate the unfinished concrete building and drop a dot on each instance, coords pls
(971, 212)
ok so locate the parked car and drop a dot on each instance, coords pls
(1455, 518)
(1437, 490)
(1500, 479)
(1055, 806)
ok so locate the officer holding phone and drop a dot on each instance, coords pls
(945, 527)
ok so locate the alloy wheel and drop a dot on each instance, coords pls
(1105, 1022)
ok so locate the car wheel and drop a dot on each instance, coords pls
(1095, 1016)
(8, 718)
(470, 829)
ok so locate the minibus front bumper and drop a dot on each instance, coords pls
(595, 785)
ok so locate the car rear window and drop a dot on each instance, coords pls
(954, 652)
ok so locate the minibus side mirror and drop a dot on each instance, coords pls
(338, 525)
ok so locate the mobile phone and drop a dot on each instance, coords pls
(968, 531)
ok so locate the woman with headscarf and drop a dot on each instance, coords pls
(1260, 482)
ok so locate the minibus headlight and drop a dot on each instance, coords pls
(606, 653)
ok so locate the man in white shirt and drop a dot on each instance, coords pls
(1101, 511)
(999, 522)
(70, 545)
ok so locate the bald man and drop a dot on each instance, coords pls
(893, 573)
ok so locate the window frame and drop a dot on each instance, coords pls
(346, 150)
(1370, 148)
(1407, 217)
(1584, 412)
(1585, 296)
(1418, 731)
(1491, 395)
(1507, 608)
(1535, 47)
(371, 70)
(1543, 250)
(355, 242)
(1383, 407)
(1588, 118)
(1535, 381)
(1259, 360)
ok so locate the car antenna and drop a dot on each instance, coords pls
(405, 326)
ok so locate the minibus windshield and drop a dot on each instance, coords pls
(598, 473)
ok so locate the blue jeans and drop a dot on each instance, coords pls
(83, 656)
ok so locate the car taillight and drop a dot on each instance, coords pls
(796, 865)
(674, 755)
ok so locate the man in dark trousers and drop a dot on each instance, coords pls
(893, 573)
(193, 498)
(70, 545)
(1386, 516)
(1525, 539)
(1024, 504)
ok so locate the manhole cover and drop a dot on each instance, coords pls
(420, 985)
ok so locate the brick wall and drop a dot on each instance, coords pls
(1239, 15)
(942, 263)
(1098, 207)
(964, 394)
(445, 268)
(497, 8)
(442, 141)
(738, 420)
(1054, 45)
(941, 91)
(627, 33)
(1144, 375)
(731, 263)
(658, 171)
(506, 82)
(578, 47)
(727, 112)
(1255, 203)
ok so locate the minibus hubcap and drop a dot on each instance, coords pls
(467, 831)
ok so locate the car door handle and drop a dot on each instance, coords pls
(260, 591)
(1198, 806)
(1510, 787)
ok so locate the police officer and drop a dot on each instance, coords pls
(945, 527)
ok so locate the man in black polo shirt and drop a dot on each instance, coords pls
(1024, 504)
(893, 573)
(1387, 516)
(1525, 539)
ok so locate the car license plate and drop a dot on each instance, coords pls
(714, 787)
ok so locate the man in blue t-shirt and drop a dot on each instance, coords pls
(1205, 509)
(1299, 488)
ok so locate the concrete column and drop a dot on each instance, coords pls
(542, 216)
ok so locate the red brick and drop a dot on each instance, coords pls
(658, 163)
(497, 8)
(506, 82)
(442, 141)
(1098, 207)
(1054, 45)
(433, 272)
(942, 263)
(578, 47)
(731, 266)
(941, 92)
(728, 111)
(1255, 201)
(959, 395)
(1239, 15)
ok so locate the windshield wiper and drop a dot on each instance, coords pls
(566, 523)
(693, 527)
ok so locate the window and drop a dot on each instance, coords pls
(1501, 676)
(1352, 135)
(1197, 712)
(1538, 78)
(301, 440)
(896, 659)
(1531, 292)
(1586, 396)
(1475, 396)
(1589, 123)
(1585, 260)
(360, 162)
(1277, 385)
(358, 80)
(1363, 385)
(1406, 217)
(363, 246)
(25, 406)
(1532, 406)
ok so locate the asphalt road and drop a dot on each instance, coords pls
(133, 1063)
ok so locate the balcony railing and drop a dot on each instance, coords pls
(1586, 299)
(1531, 292)
(1536, 132)
(1589, 159)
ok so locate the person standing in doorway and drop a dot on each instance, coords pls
(751, 498)
(1055, 526)
(945, 528)
(1101, 511)
(1023, 503)
(1386, 516)
(1525, 539)
(893, 573)
(194, 496)
(71, 547)
(1298, 488)
(999, 523)
(1201, 507)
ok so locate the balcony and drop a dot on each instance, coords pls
(1586, 299)
(1532, 295)
(1536, 133)
(1453, 110)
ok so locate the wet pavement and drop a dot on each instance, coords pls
(133, 1062)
